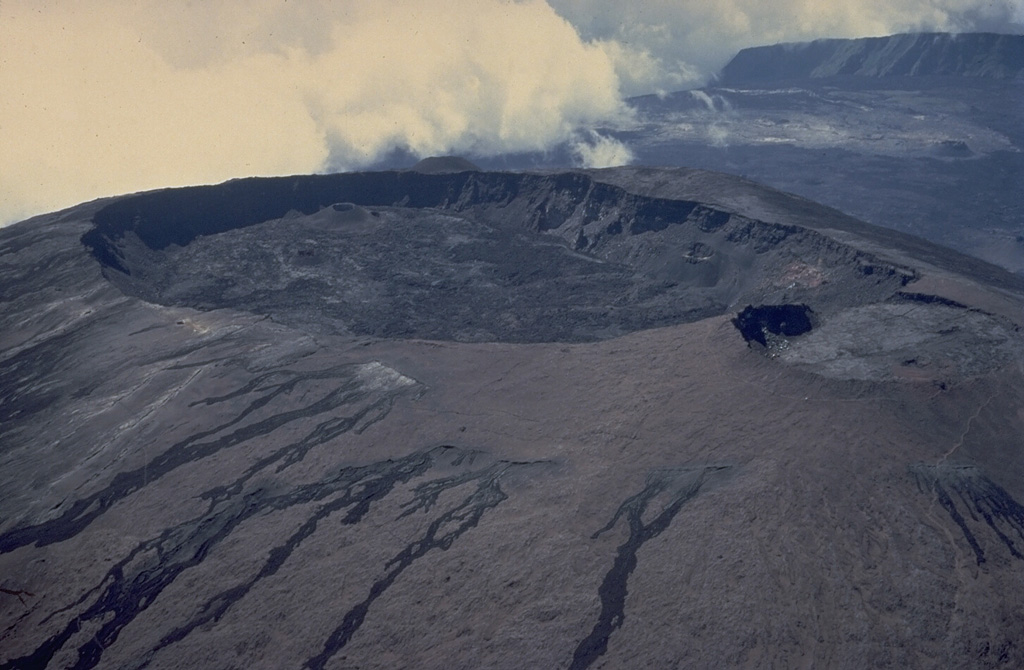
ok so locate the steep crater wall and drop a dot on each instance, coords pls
(471, 256)
(988, 55)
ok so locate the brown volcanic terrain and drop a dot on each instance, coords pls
(504, 420)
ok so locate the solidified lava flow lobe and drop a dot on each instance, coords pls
(682, 485)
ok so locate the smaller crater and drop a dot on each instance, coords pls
(698, 252)
(759, 324)
(347, 212)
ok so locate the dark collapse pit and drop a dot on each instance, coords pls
(757, 323)
(468, 256)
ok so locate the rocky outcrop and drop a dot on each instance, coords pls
(441, 164)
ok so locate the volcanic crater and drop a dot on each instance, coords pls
(469, 256)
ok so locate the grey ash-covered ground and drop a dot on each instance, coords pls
(453, 418)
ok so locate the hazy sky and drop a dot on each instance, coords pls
(108, 96)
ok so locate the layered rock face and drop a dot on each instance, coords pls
(986, 55)
(443, 418)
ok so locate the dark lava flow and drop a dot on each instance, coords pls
(135, 582)
(366, 405)
(440, 534)
(682, 484)
(969, 497)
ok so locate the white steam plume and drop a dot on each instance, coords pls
(111, 96)
(107, 97)
(599, 151)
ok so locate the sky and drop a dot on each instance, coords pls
(106, 97)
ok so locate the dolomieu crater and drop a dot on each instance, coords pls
(469, 256)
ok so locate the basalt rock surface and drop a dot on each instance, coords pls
(438, 418)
